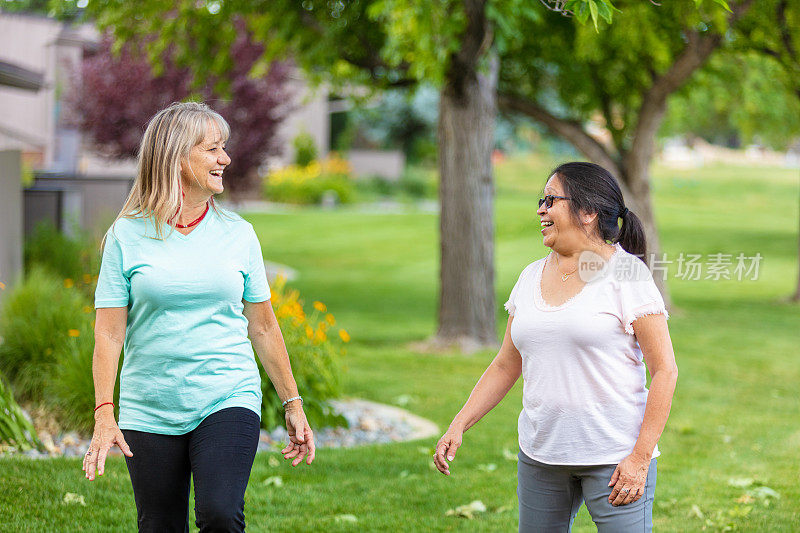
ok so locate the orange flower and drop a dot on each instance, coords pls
(68, 283)
(319, 306)
(344, 335)
(320, 336)
(74, 333)
(87, 279)
(2, 285)
(309, 331)
(330, 319)
(87, 308)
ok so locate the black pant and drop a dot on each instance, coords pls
(218, 454)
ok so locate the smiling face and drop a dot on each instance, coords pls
(558, 224)
(202, 170)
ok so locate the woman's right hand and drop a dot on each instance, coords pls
(446, 448)
(106, 435)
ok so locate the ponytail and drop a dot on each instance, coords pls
(631, 235)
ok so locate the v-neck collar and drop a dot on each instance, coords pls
(199, 228)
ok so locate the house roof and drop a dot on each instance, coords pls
(12, 75)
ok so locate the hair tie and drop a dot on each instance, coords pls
(623, 212)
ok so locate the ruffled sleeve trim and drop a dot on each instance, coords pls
(510, 307)
(654, 308)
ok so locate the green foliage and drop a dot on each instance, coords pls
(373, 43)
(309, 184)
(39, 317)
(70, 392)
(65, 257)
(47, 326)
(15, 429)
(416, 183)
(315, 351)
(305, 149)
(762, 109)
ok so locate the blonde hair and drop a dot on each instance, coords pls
(169, 137)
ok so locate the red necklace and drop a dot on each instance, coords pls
(193, 222)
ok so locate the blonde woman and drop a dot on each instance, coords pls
(182, 285)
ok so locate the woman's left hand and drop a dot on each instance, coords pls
(629, 479)
(301, 438)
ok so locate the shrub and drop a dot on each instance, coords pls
(307, 185)
(314, 351)
(39, 317)
(305, 149)
(47, 328)
(66, 257)
(15, 429)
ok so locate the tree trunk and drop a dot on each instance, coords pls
(636, 175)
(467, 110)
(638, 179)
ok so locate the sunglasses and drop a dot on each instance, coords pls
(549, 199)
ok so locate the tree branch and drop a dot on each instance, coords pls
(475, 41)
(698, 49)
(570, 130)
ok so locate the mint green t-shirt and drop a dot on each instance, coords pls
(187, 354)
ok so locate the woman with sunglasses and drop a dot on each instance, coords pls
(583, 322)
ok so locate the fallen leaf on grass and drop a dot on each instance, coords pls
(739, 511)
(490, 467)
(696, 512)
(764, 495)
(274, 480)
(345, 518)
(273, 461)
(404, 399)
(745, 499)
(740, 482)
(71, 497)
(467, 511)
(511, 456)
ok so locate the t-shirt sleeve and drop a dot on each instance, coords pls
(113, 286)
(256, 288)
(637, 293)
(511, 305)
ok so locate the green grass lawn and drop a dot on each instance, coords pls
(735, 413)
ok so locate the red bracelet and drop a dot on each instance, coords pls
(102, 404)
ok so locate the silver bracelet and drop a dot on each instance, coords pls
(291, 400)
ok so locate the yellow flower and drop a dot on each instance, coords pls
(319, 306)
(87, 279)
(68, 283)
(322, 326)
(74, 333)
(344, 335)
(309, 331)
(320, 336)
(330, 319)
(87, 308)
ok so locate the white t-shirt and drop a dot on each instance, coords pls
(584, 389)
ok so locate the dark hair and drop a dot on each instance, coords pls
(592, 189)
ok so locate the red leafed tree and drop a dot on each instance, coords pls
(116, 94)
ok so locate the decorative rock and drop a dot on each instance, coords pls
(370, 423)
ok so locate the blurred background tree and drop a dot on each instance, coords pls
(115, 94)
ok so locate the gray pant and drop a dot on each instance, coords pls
(550, 496)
